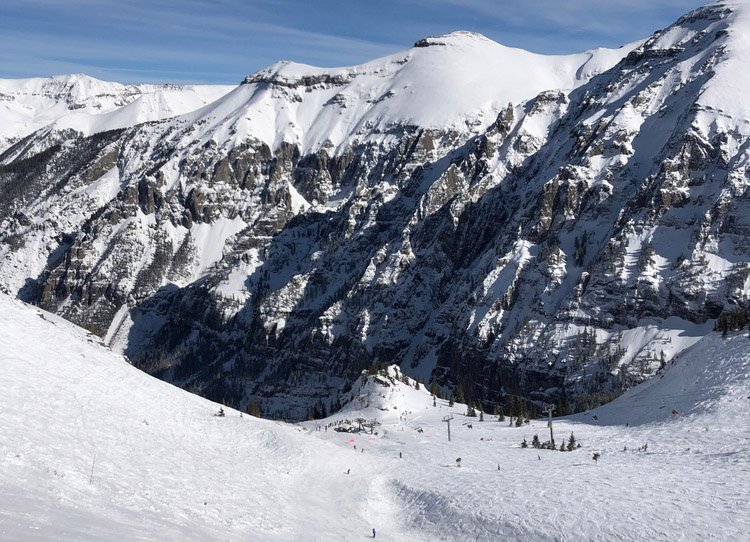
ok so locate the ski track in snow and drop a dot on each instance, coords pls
(160, 453)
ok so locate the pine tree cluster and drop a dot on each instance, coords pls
(732, 320)
(569, 446)
(518, 411)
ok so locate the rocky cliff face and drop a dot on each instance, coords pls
(558, 239)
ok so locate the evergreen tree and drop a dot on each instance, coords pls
(519, 421)
(253, 409)
(435, 390)
(460, 394)
(450, 401)
(416, 384)
(571, 443)
(470, 412)
(511, 404)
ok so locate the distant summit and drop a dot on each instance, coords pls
(450, 38)
(90, 105)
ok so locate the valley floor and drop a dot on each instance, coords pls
(93, 449)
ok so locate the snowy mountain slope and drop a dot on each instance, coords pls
(89, 105)
(727, 106)
(269, 246)
(164, 466)
(708, 380)
(458, 82)
(94, 449)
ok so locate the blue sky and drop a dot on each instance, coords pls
(221, 41)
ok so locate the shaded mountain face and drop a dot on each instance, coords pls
(551, 227)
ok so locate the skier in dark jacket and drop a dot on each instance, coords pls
(373, 532)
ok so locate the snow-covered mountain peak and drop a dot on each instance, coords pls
(726, 92)
(714, 19)
(711, 48)
(459, 87)
(82, 86)
(89, 105)
(77, 91)
(452, 38)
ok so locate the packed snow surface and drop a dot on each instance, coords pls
(93, 449)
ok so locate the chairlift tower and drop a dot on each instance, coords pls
(549, 409)
(447, 419)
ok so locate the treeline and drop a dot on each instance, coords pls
(732, 320)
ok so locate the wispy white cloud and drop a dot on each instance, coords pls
(225, 37)
(614, 19)
(223, 40)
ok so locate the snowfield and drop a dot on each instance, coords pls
(93, 449)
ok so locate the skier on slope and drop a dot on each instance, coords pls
(373, 532)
